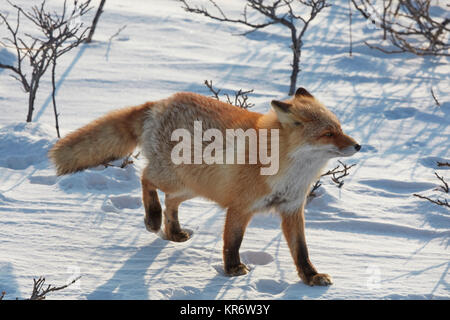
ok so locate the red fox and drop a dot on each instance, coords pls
(307, 136)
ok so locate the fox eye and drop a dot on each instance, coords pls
(329, 134)
(297, 123)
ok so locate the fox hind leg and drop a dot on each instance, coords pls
(153, 211)
(172, 226)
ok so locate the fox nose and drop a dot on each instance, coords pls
(357, 147)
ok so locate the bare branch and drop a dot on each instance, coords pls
(108, 48)
(316, 186)
(350, 28)
(95, 21)
(240, 96)
(39, 292)
(21, 77)
(117, 32)
(211, 88)
(443, 164)
(434, 97)
(125, 161)
(444, 187)
(277, 12)
(58, 36)
(438, 202)
(337, 173)
(222, 17)
(409, 26)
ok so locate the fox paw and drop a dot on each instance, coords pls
(239, 270)
(180, 236)
(151, 227)
(320, 279)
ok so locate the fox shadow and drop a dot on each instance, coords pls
(129, 280)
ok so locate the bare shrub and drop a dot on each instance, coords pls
(39, 291)
(240, 98)
(283, 12)
(444, 188)
(58, 33)
(336, 174)
(409, 25)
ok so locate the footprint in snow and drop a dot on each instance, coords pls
(45, 180)
(118, 203)
(249, 258)
(96, 181)
(18, 162)
(256, 258)
(185, 292)
(415, 144)
(270, 286)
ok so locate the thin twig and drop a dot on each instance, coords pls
(108, 48)
(117, 32)
(350, 27)
(445, 186)
(314, 188)
(39, 293)
(125, 162)
(434, 97)
(211, 88)
(336, 174)
(443, 164)
(438, 202)
(335, 177)
(240, 97)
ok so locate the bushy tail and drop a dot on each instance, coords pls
(110, 137)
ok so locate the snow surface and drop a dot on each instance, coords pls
(372, 236)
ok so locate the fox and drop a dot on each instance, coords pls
(309, 135)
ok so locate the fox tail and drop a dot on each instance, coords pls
(108, 138)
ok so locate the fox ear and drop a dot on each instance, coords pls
(302, 92)
(281, 106)
(283, 111)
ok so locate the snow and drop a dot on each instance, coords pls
(372, 236)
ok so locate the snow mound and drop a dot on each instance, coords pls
(103, 180)
(7, 57)
(25, 144)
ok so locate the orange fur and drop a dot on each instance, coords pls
(108, 138)
(309, 135)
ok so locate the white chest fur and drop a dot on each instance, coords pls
(289, 187)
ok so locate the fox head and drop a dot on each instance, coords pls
(308, 123)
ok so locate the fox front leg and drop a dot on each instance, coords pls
(293, 226)
(235, 225)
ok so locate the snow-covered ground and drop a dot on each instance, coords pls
(372, 236)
